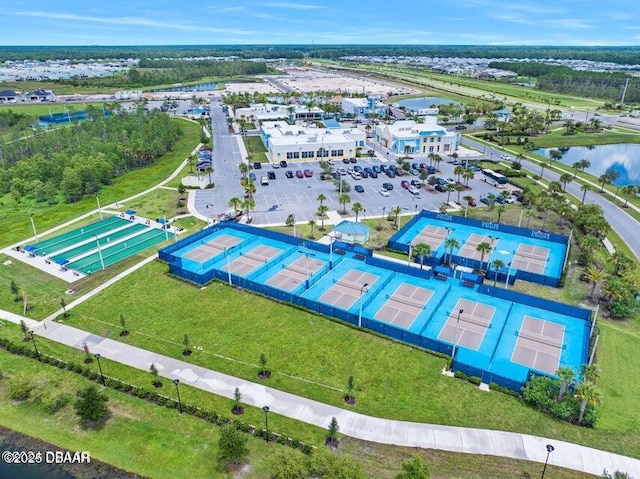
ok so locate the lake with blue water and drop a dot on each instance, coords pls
(623, 158)
(425, 102)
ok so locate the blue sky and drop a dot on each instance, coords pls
(469, 22)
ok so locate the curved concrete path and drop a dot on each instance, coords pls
(368, 428)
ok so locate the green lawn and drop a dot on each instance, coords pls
(157, 442)
(15, 224)
(393, 380)
(38, 109)
(155, 202)
(255, 148)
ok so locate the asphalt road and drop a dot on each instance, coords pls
(623, 224)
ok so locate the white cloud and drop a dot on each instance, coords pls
(131, 21)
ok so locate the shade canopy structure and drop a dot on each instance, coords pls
(130, 212)
(62, 261)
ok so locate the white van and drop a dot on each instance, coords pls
(264, 180)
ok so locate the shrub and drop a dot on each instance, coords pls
(91, 405)
(232, 446)
(475, 380)
(20, 386)
(460, 375)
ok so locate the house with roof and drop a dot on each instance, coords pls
(410, 137)
(271, 112)
(40, 95)
(9, 96)
(351, 232)
(504, 114)
(363, 106)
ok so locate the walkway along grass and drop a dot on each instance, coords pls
(313, 357)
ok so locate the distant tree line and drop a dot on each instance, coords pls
(10, 119)
(622, 55)
(77, 161)
(562, 79)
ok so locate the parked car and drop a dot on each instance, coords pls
(416, 183)
(485, 200)
(283, 164)
(413, 172)
(371, 152)
(356, 176)
(413, 190)
(367, 169)
(383, 192)
(335, 175)
(472, 202)
(331, 162)
(264, 180)
(461, 127)
(358, 168)
(275, 166)
(308, 173)
(405, 184)
(391, 174)
(505, 157)
(359, 188)
(350, 170)
(387, 186)
(364, 174)
(257, 165)
(252, 176)
(393, 168)
(509, 199)
(440, 181)
(289, 174)
(299, 174)
(500, 199)
(342, 171)
(431, 170)
(440, 188)
(450, 181)
(345, 160)
(353, 160)
(415, 166)
(376, 169)
(383, 168)
(271, 175)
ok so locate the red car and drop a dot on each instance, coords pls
(299, 174)
(308, 173)
(405, 184)
(472, 202)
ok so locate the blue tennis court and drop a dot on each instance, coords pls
(493, 333)
(530, 255)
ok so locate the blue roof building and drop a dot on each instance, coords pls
(351, 232)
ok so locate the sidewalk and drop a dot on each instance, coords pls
(385, 431)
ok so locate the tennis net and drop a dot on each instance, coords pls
(475, 242)
(349, 284)
(256, 257)
(467, 318)
(532, 256)
(408, 301)
(556, 343)
(297, 269)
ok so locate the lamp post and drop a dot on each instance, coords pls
(99, 252)
(360, 312)
(384, 208)
(99, 208)
(33, 338)
(550, 449)
(266, 422)
(97, 356)
(165, 226)
(506, 283)
(455, 341)
(177, 382)
(33, 225)
(294, 225)
(226, 253)
(409, 256)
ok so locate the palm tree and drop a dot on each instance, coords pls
(322, 210)
(459, 188)
(312, 224)
(564, 179)
(458, 170)
(357, 208)
(604, 179)
(529, 214)
(497, 264)
(500, 209)
(247, 205)
(468, 175)
(567, 377)
(543, 166)
(422, 250)
(343, 200)
(450, 188)
(594, 275)
(590, 372)
(208, 171)
(555, 155)
(584, 189)
(565, 211)
(437, 159)
(483, 248)
(321, 198)
(628, 191)
(244, 169)
(235, 203)
(586, 393)
(450, 244)
(395, 212)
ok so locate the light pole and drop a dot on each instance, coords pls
(226, 252)
(550, 449)
(409, 256)
(384, 208)
(331, 238)
(209, 219)
(97, 356)
(455, 342)
(266, 422)
(99, 208)
(361, 296)
(176, 382)
(506, 283)
(33, 225)
(99, 252)
(165, 226)
(294, 224)
(33, 338)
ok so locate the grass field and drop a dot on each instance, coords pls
(388, 375)
(155, 202)
(38, 109)
(157, 442)
(15, 224)
(255, 148)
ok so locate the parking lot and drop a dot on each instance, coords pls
(284, 196)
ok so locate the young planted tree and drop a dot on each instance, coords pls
(155, 376)
(422, 250)
(332, 436)
(264, 372)
(237, 407)
(88, 358)
(499, 210)
(186, 351)
(25, 330)
(344, 199)
(587, 394)
(123, 326)
(91, 406)
(312, 225)
(451, 244)
(322, 211)
(567, 378)
(595, 276)
(349, 398)
(628, 191)
(235, 203)
(414, 469)
(497, 264)
(15, 291)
